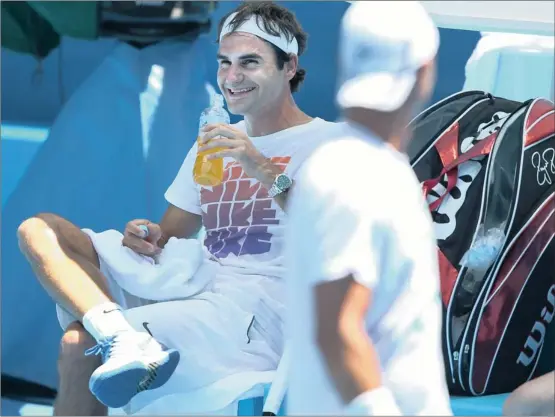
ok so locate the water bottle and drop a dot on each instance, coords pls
(210, 172)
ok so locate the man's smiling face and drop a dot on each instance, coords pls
(248, 75)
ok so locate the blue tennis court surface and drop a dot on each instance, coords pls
(18, 408)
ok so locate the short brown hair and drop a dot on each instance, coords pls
(271, 13)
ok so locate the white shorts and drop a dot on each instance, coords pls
(120, 296)
(225, 351)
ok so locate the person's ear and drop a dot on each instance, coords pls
(291, 66)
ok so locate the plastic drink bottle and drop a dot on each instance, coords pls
(210, 172)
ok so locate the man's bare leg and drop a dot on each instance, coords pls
(533, 398)
(75, 370)
(65, 262)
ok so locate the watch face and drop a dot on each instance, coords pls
(283, 182)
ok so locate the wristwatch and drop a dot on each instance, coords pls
(281, 184)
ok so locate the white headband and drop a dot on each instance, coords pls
(251, 26)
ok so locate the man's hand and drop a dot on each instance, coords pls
(237, 145)
(134, 240)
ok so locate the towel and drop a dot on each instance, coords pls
(180, 271)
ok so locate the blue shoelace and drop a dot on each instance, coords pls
(103, 348)
(106, 348)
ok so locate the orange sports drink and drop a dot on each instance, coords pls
(210, 173)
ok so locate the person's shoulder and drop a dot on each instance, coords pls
(341, 164)
(327, 127)
(351, 163)
(347, 147)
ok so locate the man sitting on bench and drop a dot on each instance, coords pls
(234, 324)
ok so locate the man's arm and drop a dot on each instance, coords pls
(345, 236)
(348, 351)
(182, 218)
(341, 306)
(178, 223)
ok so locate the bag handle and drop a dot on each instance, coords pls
(447, 148)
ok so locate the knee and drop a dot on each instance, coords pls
(38, 225)
(533, 398)
(73, 345)
(515, 405)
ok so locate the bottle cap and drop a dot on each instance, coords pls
(217, 100)
(144, 228)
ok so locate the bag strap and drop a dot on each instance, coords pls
(447, 148)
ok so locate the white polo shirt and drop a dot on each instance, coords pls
(357, 208)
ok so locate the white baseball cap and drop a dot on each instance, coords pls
(382, 46)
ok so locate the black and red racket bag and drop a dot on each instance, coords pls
(487, 169)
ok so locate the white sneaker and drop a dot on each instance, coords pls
(132, 362)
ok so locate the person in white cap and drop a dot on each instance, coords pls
(201, 353)
(364, 314)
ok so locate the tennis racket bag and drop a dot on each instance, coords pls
(487, 170)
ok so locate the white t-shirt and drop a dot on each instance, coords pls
(243, 225)
(357, 208)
